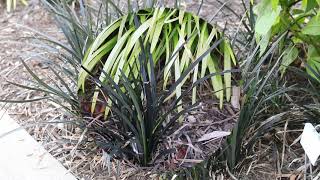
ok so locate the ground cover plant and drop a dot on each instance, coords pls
(277, 56)
(137, 68)
(270, 88)
(167, 31)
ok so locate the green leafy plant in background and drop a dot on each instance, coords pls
(279, 39)
(13, 4)
(302, 20)
(167, 30)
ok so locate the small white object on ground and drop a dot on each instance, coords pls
(23, 158)
(310, 141)
(214, 135)
(235, 98)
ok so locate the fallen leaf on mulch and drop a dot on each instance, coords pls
(214, 135)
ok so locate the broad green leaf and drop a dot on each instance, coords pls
(290, 55)
(314, 62)
(312, 52)
(314, 69)
(307, 5)
(313, 26)
(264, 42)
(275, 4)
(261, 7)
(266, 20)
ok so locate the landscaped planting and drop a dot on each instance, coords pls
(138, 82)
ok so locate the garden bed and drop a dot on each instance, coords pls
(277, 154)
(64, 141)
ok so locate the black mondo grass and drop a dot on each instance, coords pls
(137, 78)
(176, 38)
(137, 73)
(141, 116)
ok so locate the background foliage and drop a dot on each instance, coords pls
(301, 20)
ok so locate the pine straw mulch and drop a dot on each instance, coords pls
(199, 135)
(278, 154)
(77, 151)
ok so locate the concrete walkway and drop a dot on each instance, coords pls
(22, 158)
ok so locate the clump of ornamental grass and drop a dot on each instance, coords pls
(143, 112)
(133, 74)
(270, 102)
(12, 4)
(141, 117)
(261, 96)
(172, 34)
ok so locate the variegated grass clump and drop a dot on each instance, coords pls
(12, 4)
(176, 39)
(140, 67)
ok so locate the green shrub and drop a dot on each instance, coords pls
(300, 19)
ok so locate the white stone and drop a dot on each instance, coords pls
(310, 141)
(23, 158)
